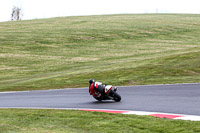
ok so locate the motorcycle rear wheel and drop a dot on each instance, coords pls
(116, 96)
(98, 99)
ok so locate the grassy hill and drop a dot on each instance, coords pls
(115, 49)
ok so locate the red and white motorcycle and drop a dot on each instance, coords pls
(109, 94)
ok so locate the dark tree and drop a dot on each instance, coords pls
(16, 14)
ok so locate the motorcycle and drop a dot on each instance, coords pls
(109, 94)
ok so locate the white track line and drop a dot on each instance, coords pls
(7, 92)
(87, 87)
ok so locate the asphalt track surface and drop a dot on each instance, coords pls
(177, 98)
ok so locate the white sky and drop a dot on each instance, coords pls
(34, 9)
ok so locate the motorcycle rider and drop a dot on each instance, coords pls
(98, 87)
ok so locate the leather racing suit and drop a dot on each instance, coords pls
(96, 87)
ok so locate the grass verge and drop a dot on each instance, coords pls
(45, 120)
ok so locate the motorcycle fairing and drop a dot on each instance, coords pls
(108, 88)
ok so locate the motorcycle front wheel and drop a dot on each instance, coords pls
(116, 96)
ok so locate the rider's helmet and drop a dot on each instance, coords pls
(91, 81)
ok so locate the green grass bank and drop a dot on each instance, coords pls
(115, 49)
(60, 121)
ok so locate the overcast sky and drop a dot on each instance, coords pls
(34, 9)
